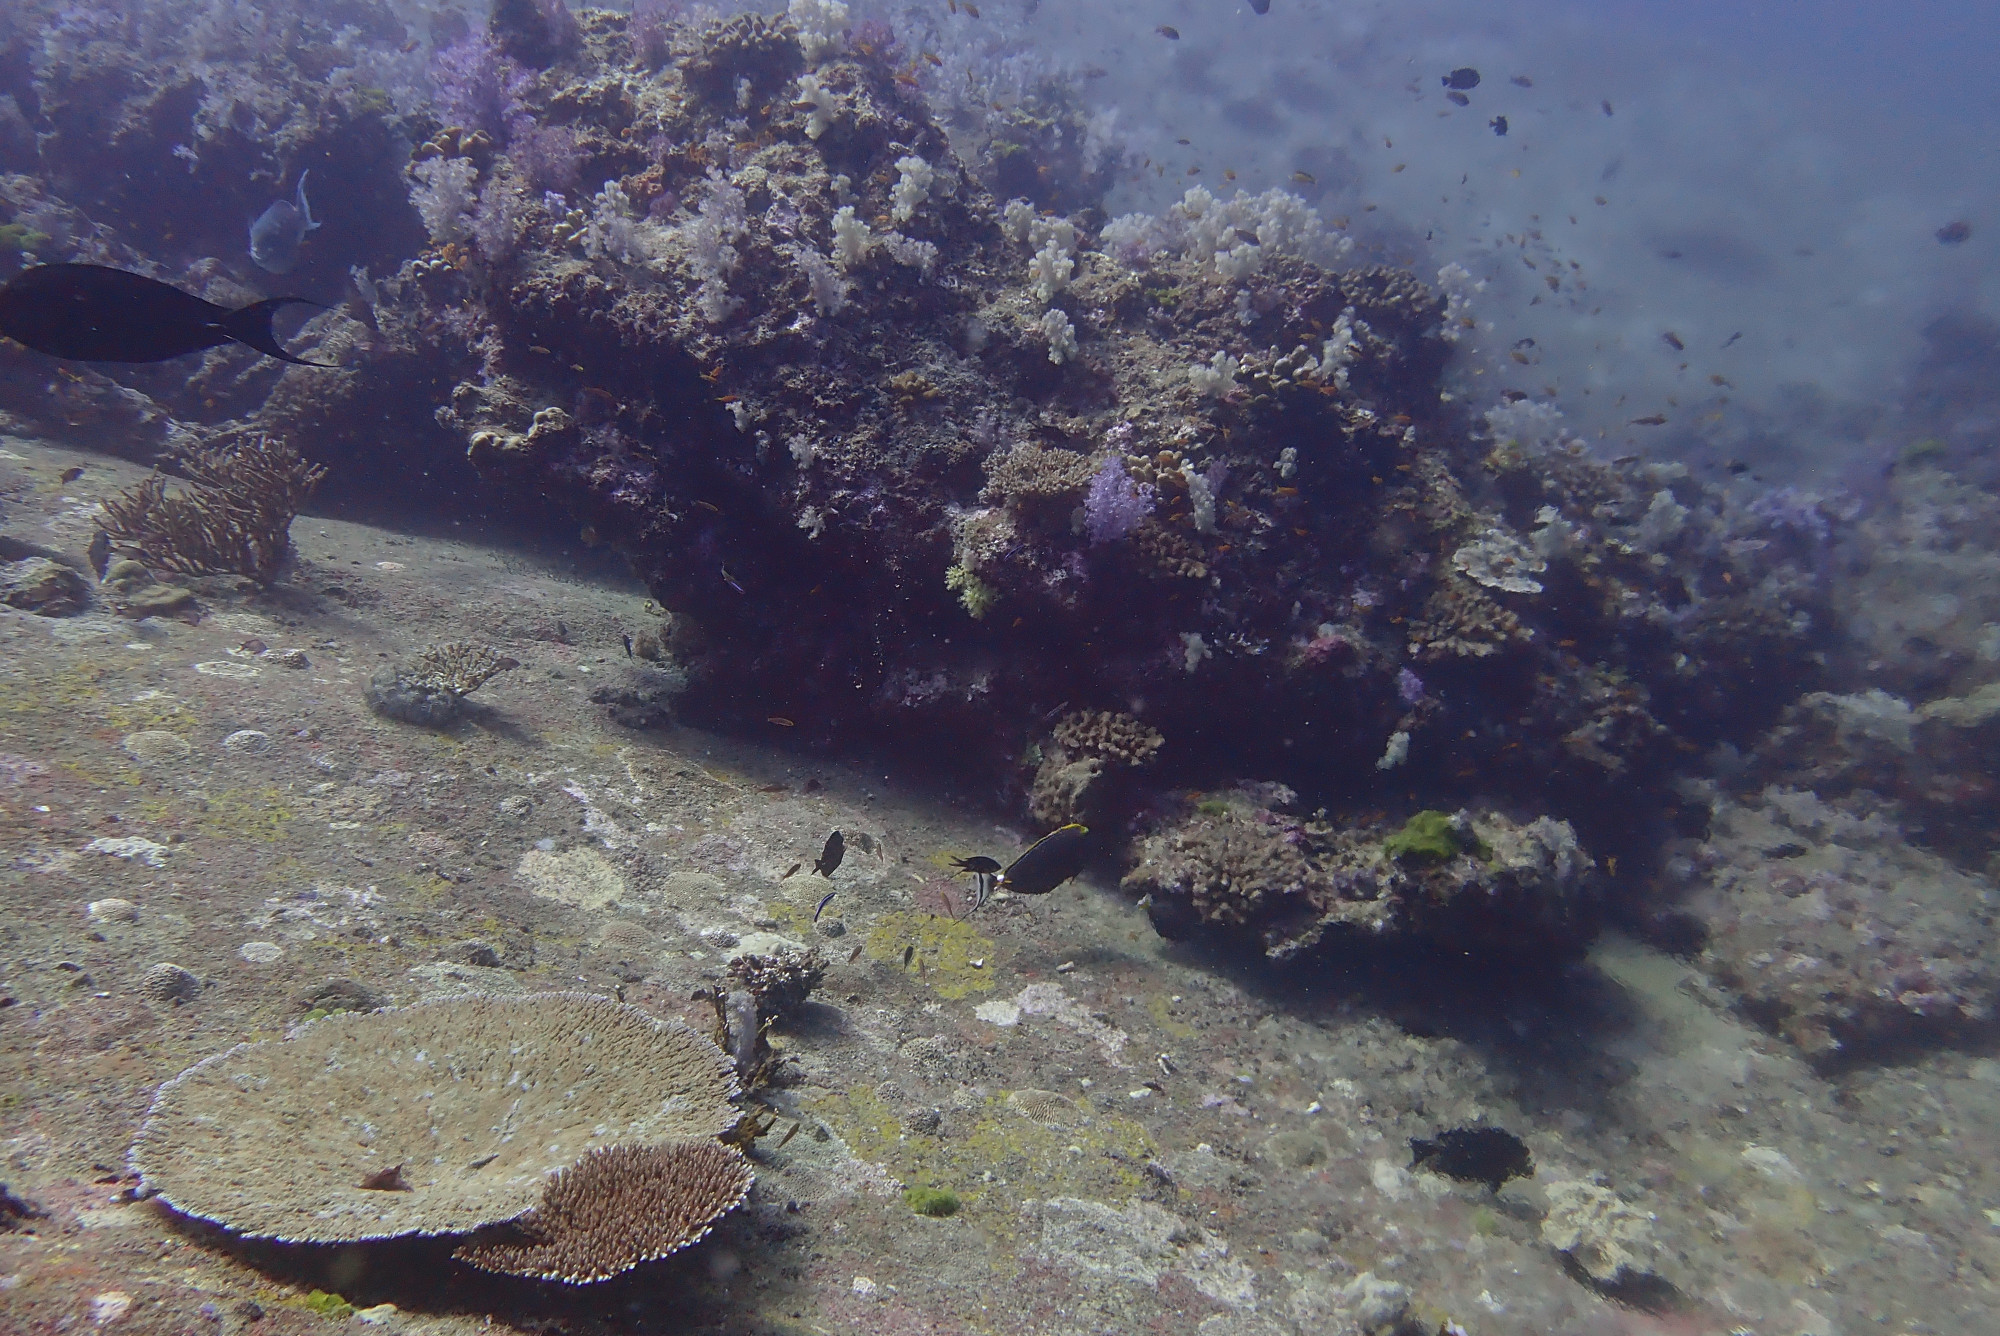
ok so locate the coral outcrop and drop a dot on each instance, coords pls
(846, 412)
(1479, 884)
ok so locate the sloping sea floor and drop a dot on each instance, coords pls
(1141, 1139)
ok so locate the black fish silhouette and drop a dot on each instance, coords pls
(1489, 1155)
(1049, 861)
(91, 313)
(829, 857)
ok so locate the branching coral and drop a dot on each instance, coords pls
(460, 667)
(1114, 736)
(235, 520)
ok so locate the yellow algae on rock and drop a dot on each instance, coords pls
(578, 877)
(945, 948)
(154, 746)
(1096, 1153)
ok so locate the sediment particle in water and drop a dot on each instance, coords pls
(167, 982)
(616, 1207)
(275, 1139)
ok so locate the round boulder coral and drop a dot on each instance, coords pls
(437, 1118)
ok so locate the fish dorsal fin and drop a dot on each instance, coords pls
(305, 209)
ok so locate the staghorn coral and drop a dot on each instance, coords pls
(235, 519)
(465, 1103)
(459, 668)
(431, 688)
(616, 1207)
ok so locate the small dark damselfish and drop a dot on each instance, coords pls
(1489, 1155)
(92, 313)
(829, 857)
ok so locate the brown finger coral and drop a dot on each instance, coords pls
(1114, 736)
(473, 1100)
(235, 519)
(617, 1207)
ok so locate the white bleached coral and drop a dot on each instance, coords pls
(443, 197)
(852, 238)
(822, 26)
(1218, 377)
(823, 279)
(614, 231)
(1528, 423)
(1500, 561)
(1459, 287)
(1060, 333)
(1049, 271)
(1213, 231)
(823, 101)
(711, 258)
(912, 188)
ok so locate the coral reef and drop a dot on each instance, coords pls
(364, 1161)
(914, 444)
(235, 519)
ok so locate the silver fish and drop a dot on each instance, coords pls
(276, 235)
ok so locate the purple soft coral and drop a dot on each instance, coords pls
(1114, 506)
(480, 89)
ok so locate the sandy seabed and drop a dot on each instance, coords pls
(1141, 1139)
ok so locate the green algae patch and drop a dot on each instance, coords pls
(1003, 1158)
(945, 948)
(938, 1202)
(1430, 837)
(1157, 1007)
(327, 1305)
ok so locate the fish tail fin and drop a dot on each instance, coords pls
(251, 327)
